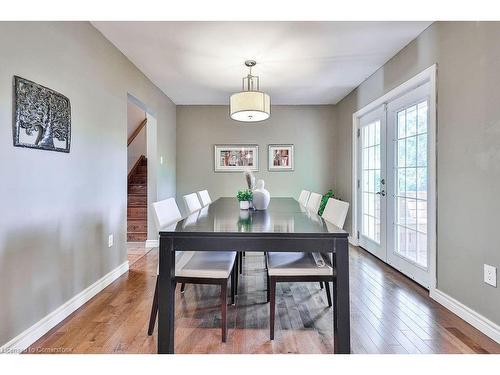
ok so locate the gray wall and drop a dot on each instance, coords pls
(468, 110)
(138, 147)
(58, 208)
(310, 128)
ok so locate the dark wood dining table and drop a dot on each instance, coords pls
(285, 226)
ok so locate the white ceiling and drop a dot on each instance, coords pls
(298, 62)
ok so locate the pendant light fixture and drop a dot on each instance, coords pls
(250, 105)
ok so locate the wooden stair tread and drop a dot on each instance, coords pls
(143, 236)
(137, 224)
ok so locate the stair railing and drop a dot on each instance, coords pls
(137, 131)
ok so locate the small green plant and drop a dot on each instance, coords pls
(244, 195)
(244, 225)
(324, 201)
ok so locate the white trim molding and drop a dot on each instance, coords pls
(475, 319)
(29, 336)
(352, 240)
(151, 243)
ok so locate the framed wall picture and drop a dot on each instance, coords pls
(236, 158)
(42, 117)
(280, 158)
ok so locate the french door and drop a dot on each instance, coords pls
(371, 182)
(393, 183)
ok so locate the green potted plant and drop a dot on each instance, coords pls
(324, 201)
(244, 197)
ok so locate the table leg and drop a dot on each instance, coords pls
(166, 297)
(342, 338)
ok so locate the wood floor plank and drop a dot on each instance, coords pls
(389, 314)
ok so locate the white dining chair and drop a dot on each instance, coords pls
(195, 267)
(296, 267)
(192, 203)
(314, 202)
(204, 197)
(336, 212)
(303, 197)
(305, 267)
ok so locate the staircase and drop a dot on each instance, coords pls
(137, 206)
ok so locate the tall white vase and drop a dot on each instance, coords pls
(261, 196)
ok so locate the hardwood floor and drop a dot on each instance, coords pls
(389, 314)
(135, 251)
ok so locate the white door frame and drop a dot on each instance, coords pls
(428, 75)
(152, 157)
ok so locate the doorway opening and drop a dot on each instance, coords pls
(137, 170)
(142, 170)
(141, 135)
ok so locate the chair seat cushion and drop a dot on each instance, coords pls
(295, 264)
(205, 264)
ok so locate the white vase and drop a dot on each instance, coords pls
(261, 196)
(244, 205)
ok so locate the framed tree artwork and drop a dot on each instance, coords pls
(42, 117)
(281, 158)
(236, 158)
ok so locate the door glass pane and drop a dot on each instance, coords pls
(401, 240)
(401, 153)
(401, 182)
(411, 183)
(422, 118)
(411, 214)
(411, 151)
(422, 248)
(422, 183)
(422, 216)
(401, 124)
(411, 244)
(376, 157)
(370, 156)
(411, 121)
(401, 212)
(377, 180)
(422, 150)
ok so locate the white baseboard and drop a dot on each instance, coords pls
(353, 241)
(478, 321)
(29, 336)
(151, 243)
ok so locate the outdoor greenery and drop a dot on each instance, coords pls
(244, 195)
(324, 201)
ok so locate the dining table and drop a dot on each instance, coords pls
(285, 226)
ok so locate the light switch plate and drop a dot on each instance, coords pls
(161, 159)
(110, 240)
(490, 275)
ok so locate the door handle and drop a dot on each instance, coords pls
(382, 193)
